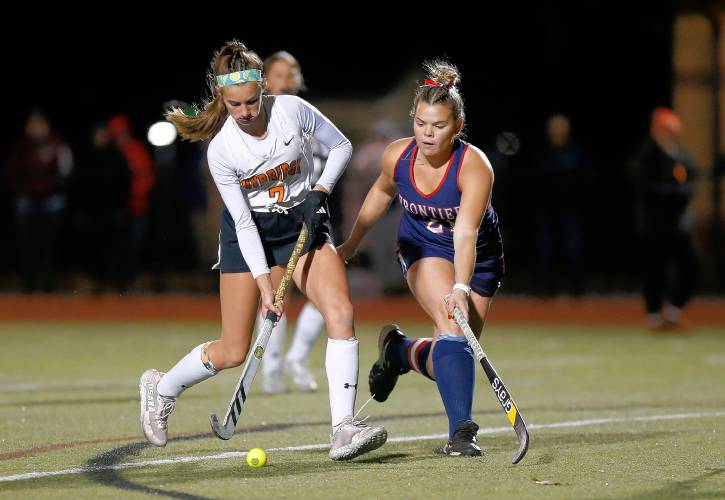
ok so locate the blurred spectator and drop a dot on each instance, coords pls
(283, 74)
(142, 181)
(38, 168)
(179, 237)
(663, 176)
(377, 250)
(101, 195)
(561, 187)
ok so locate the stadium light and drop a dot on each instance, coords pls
(161, 133)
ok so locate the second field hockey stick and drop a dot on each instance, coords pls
(225, 430)
(502, 394)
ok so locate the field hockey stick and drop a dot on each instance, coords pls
(502, 394)
(226, 429)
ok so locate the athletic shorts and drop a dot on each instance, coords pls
(487, 272)
(278, 232)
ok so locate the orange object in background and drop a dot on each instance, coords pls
(139, 161)
(665, 122)
(679, 172)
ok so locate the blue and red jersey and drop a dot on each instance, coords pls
(427, 225)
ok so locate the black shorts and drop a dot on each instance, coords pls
(278, 232)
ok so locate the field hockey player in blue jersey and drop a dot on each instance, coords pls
(449, 244)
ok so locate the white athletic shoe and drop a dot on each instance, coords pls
(273, 384)
(301, 376)
(352, 438)
(155, 408)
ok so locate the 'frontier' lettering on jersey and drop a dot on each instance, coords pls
(440, 213)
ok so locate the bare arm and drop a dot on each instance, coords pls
(376, 202)
(250, 244)
(476, 182)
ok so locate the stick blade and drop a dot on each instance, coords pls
(523, 436)
(224, 432)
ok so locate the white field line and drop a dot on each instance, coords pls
(60, 386)
(82, 384)
(402, 439)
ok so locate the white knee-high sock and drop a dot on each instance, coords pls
(272, 360)
(190, 370)
(309, 325)
(341, 363)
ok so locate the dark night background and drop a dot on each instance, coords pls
(605, 65)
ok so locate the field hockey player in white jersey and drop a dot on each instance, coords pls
(260, 157)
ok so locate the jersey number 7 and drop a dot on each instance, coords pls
(277, 191)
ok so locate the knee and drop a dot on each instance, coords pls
(445, 324)
(235, 358)
(340, 314)
(226, 355)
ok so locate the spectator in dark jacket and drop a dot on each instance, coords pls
(663, 176)
(38, 168)
(143, 178)
(562, 186)
(101, 197)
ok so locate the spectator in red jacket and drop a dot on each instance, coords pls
(142, 181)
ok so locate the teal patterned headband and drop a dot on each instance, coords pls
(248, 75)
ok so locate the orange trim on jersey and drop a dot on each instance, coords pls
(395, 168)
(458, 174)
(440, 184)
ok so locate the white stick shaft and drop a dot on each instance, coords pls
(250, 368)
(470, 336)
(252, 365)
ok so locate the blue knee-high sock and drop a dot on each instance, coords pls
(412, 354)
(455, 373)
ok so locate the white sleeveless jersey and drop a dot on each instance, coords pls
(275, 172)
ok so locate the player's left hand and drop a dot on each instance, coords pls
(315, 212)
(457, 298)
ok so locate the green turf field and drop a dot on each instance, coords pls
(613, 413)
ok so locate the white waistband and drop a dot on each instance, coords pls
(276, 208)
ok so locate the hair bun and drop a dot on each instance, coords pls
(443, 72)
